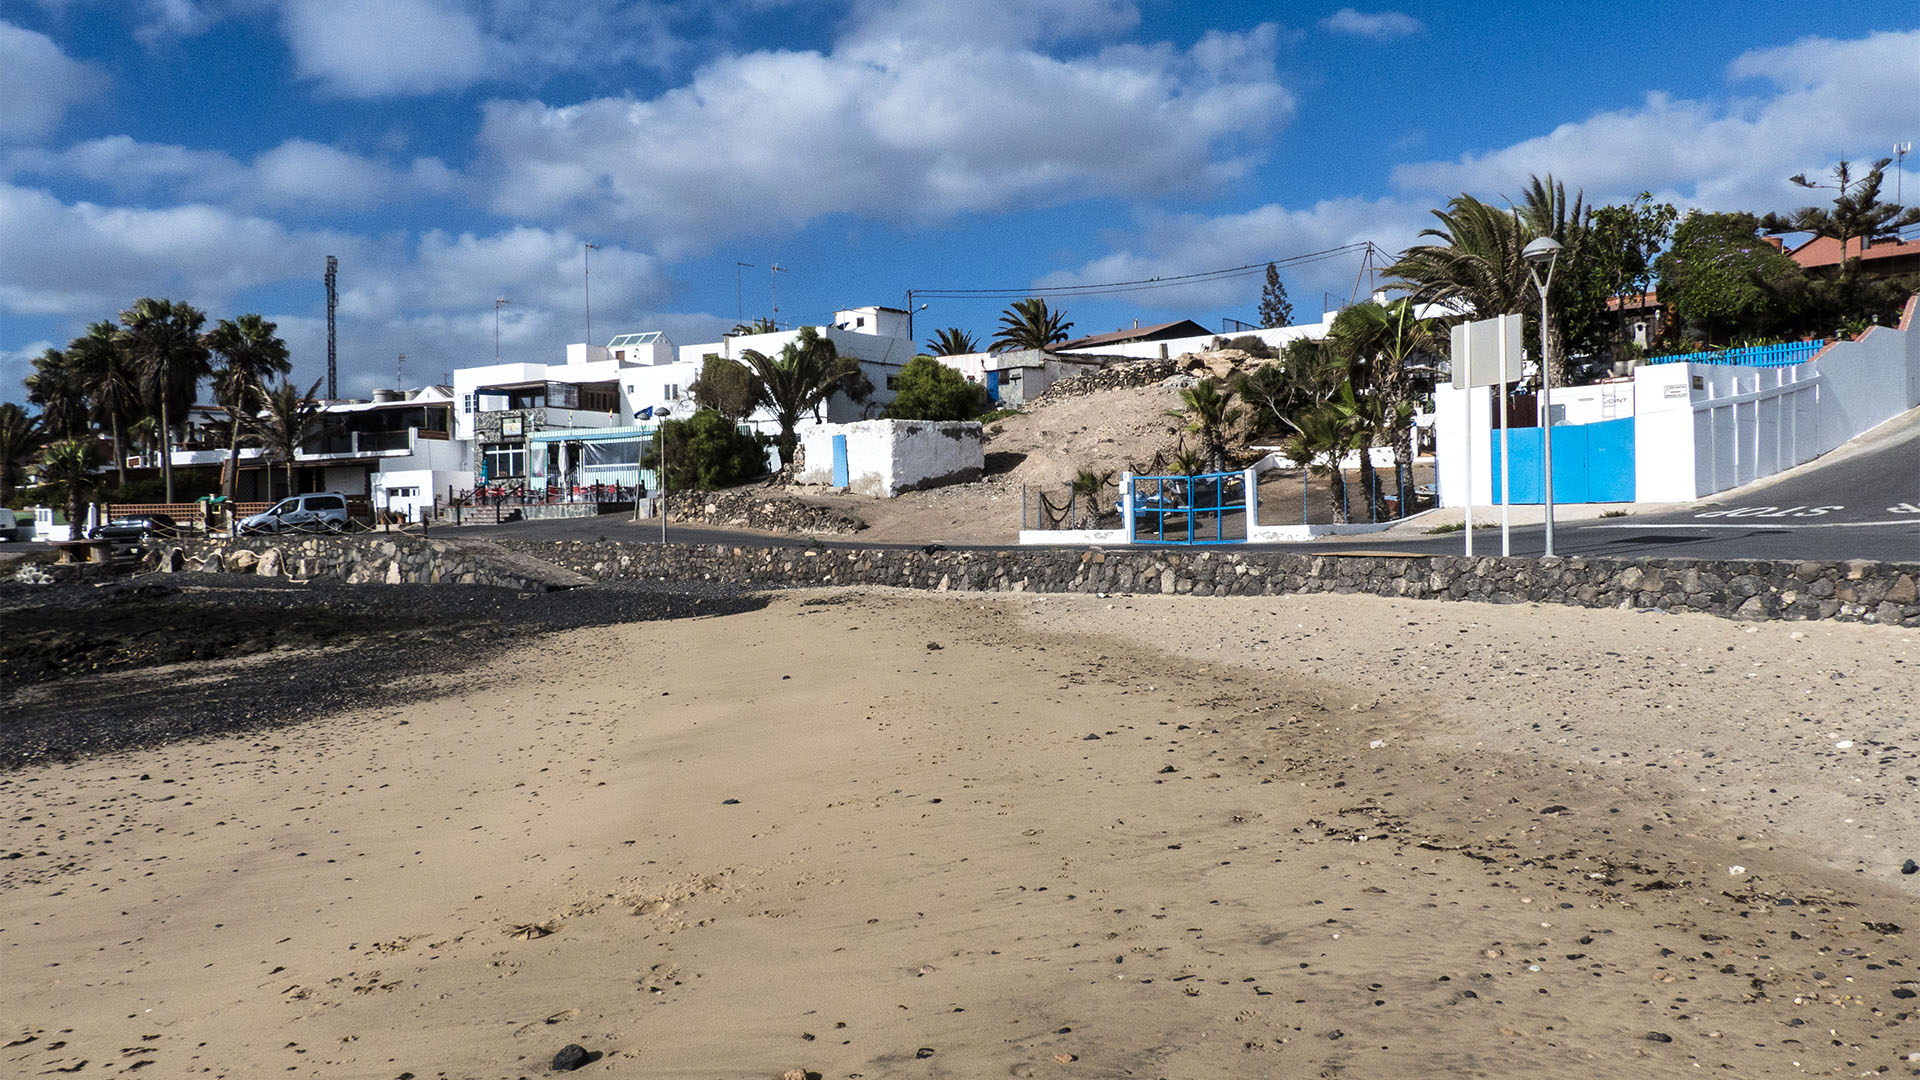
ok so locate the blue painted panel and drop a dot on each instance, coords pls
(1591, 463)
(993, 386)
(840, 473)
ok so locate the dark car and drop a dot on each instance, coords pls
(135, 529)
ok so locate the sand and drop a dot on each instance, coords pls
(878, 834)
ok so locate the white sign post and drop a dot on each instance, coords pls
(1483, 353)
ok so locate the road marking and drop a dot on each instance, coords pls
(1903, 508)
(1770, 512)
(1768, 525)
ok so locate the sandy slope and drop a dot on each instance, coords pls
(1313, 837)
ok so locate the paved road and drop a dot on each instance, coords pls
(1860, 502)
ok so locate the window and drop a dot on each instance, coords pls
(893, 382)
(403, 493)
(861, 321)
(670, 392)
(467, 404)
(506, 461)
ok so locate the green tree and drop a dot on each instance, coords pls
(66, 468)
(1388, 338)
(952, 341)
(1621, 246)
(106, 374)
(1210, 413)
(807, 372)
(163, 338)
(56, 386)
(1307, 376)
(927, 389)
(286, 420)
(1275, 310)
(1856, 219)
(725, 386)
(250, 352)
(1713, 279)
(20, 436)
(1088, 485)
(1029, 324)
(1364, 420)
(706, 451)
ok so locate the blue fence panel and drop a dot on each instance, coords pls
(1591, 463)
(1189, 509)
(1786, 354)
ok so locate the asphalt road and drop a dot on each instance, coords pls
(1859, 502)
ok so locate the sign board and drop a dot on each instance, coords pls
(512, 427)
(1479, 349)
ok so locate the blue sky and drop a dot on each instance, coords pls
(452, 151)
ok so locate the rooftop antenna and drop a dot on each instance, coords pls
(740, 292)
(773, 289)
(333, 301)
(586, 278)
(400, 372)
(498, 303)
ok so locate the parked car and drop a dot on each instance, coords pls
(134, 530)
(319, 511)
(10, 527)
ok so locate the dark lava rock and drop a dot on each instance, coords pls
(1910, 867)
(1659, 1036)
(924, 1052)
(571, 1057)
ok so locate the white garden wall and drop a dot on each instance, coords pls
(887, 457)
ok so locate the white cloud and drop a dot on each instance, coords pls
(769, 141)
(39, 82)
(1377, 24)
(87, 260)
(1828, 99)
(372, 48)
(297, 174)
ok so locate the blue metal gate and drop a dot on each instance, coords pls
(1210, 508)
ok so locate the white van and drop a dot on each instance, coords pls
(10, 526)
(319, 511)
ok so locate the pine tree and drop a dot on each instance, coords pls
(1274, 308)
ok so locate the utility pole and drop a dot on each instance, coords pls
(773, 290)
(333, 301)
(399, 372)
(586, 277)
(1900, 152)
(740, 291)
(498, 303)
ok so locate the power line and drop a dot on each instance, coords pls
(1146, 284)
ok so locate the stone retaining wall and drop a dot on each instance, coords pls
(1738, 589)
(1117, 377)
(1862, 591)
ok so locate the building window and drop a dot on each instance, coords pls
(467, 404)
(893, 382)
(670, 392)
(506, 461)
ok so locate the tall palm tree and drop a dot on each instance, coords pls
(251, 353)
(1476, 266)
(1028, 324)
(1388, 337)
(761, 325)
(804, 375)
(1210, 413)
(106, 373)
(19, 439)
(1364, 418)
(952, 341)
(67, 467)
(163, 337)
(55, 386)
(287, 419)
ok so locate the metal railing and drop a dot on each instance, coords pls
(1785, 354)
(1210, 508)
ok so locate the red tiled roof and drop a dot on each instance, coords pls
(1825, 251)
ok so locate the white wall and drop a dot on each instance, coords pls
(1453, 450)
(887, 457)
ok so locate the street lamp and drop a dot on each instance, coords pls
(1544, 249)
(498, 303)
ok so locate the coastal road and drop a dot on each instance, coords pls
(1860, 502)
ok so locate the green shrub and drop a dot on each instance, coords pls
(927, 389)
(1253, 345)
(706, 451)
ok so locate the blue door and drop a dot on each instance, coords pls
(840, 476)
(993, 387)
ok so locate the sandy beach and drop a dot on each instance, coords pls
(868, 833)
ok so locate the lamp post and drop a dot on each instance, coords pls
(498, 303)
(1544, 249)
